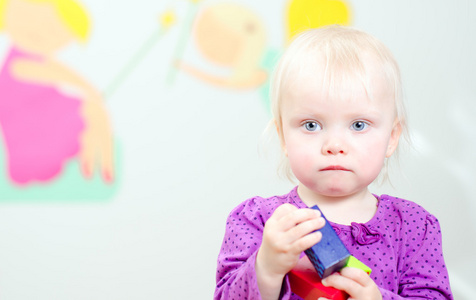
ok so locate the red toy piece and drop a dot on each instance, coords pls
(306, 283)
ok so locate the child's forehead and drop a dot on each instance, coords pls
(329, 64)
(338, 79)
(310, 97)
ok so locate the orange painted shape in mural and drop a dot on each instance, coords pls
(217, 41)
(230, 36)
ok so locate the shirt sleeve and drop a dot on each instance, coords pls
(423, 274)
(236, 273)
(236, 276)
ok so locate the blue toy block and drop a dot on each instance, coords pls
(329, 255)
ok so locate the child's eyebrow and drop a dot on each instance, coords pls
(307, 115)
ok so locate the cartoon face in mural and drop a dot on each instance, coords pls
(44, 127)
(44, 32)
(231, 36)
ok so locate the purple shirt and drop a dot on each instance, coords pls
(401, 244)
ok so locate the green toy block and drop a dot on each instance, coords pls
(355, 263)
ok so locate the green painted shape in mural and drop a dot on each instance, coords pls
(268, 63)
(68, 187)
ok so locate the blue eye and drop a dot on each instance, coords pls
(312, 126)
(359, 125)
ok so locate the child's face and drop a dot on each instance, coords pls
(337, 147)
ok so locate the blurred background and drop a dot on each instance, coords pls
(130, 129)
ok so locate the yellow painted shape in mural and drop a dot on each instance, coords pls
(168, 18)
(307, 14)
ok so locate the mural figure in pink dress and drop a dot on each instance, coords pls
(48, 113)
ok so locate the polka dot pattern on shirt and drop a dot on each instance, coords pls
(401, 243)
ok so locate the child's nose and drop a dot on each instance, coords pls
(334, 146)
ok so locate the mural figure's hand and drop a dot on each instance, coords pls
(96, 139)
(240, 79)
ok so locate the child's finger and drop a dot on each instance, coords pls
(275, 221)
(342, 283)
(354, 282)
(283, 210)
(307, 226)
(298, 216)
(357, 275)
(307, 241)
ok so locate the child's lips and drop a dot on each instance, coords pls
(334, 168)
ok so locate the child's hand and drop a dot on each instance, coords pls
(286, 235)
(354, 282)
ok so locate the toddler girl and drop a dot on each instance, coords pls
(338, 110)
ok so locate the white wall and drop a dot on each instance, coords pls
(190, 154)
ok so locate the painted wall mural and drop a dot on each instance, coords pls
(232, 36)
(55, 128)
(57, 140)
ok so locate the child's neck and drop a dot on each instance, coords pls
(359, 207)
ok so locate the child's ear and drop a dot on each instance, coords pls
(281, 137)
(394, 137)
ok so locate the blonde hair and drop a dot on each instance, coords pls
(344, 50)
(70, 12)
